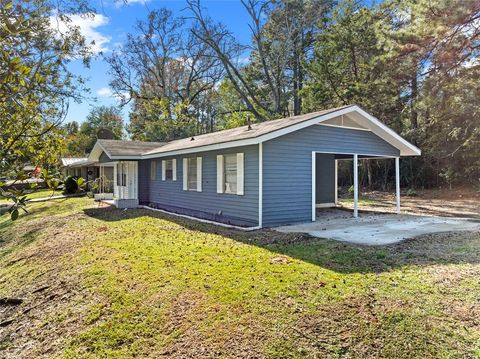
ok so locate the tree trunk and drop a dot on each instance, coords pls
(413, 100)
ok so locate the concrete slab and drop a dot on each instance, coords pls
(378, 229)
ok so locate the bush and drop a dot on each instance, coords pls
(411, 193)
(70, 185)
(350, 190)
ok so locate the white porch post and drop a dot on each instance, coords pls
(100, 180)
(314, 187)
(397, 183)
(355, 185)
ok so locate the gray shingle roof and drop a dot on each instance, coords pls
(128, 148)
(239, 133)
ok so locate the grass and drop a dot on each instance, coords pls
(138, 283)
(41, 193)
(361, 201)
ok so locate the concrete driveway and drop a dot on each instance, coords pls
(378, 229)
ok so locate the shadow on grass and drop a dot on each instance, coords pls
(441, 248)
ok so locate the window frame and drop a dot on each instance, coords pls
(194, 184)
(226, 184)
(187, 176)
(169, 171)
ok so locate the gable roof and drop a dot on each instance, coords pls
(122, 148)
(239, 133)
(243, 136)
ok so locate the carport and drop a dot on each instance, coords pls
(325, 179)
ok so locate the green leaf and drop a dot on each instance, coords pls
(14, 214)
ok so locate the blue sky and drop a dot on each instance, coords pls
(109, 28)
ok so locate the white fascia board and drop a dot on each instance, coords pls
(137, 157)
(97, 150)
(254, 140)
(389, 135)
(217, 146)
(377, 127)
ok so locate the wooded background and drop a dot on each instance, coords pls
(414, 64)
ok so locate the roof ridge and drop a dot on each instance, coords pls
(255, 127)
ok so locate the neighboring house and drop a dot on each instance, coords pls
(267, 174)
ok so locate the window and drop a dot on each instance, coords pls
(153, 170)
(192, 174)
(169, 170)
(230, 173)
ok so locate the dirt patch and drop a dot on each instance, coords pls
(447, 203)
(437, 248)
(53, 300)
(280, 260)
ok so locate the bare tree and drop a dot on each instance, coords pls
(160, 62)
(282, 34)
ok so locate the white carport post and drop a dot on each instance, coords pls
(336, 182)
(397, 183)
(355, 185)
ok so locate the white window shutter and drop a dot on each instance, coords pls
(220, 176)
(199, 174)
(185, 174)
(240, 175)
(153, 170)
(115, 181)
(164, 170)
(174, 169)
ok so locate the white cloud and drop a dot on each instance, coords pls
(87, 25)
(107, 92)
(120, 3)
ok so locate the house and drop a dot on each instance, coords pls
(103, 171)
(268, 174)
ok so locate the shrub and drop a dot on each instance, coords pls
(350, 190)
(411, 193)
(70, 185)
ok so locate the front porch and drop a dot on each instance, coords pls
(125, 184)
(117, 183)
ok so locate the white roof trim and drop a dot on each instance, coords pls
(253, 140)
(385, 132)
(96, 152)
(369, 121)
(361, 116)
(74, 161)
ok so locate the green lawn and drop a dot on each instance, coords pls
(111, 283)
(41, 193)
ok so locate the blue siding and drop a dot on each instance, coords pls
(287, 167)
(208, 204)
